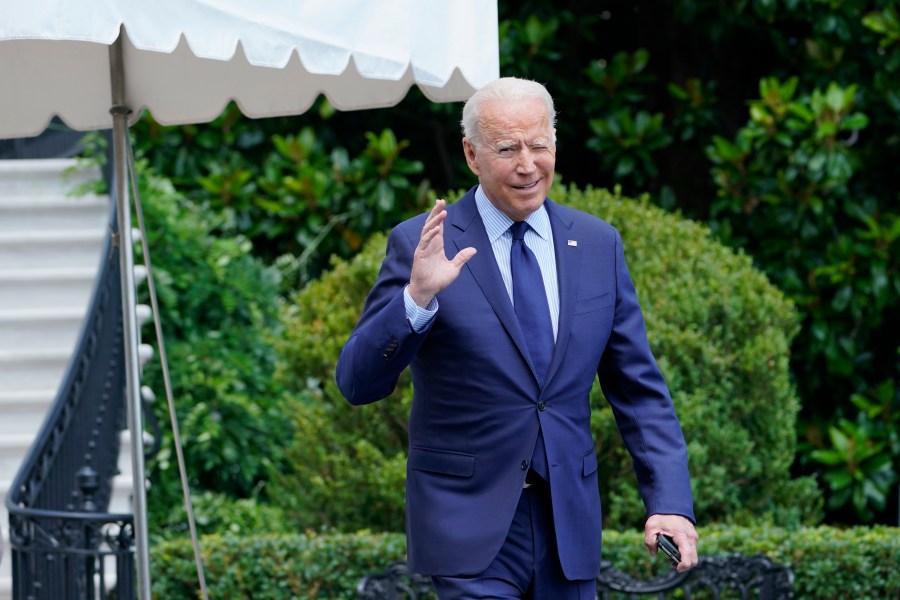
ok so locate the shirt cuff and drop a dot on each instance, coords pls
(418, 317)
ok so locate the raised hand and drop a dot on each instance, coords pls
(431, 270)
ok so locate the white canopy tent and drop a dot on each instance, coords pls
(98, 64)
(184, 60)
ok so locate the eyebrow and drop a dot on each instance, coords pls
(511, 143)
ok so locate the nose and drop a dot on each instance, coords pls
(526, 161)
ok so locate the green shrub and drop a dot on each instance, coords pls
(216, 513)
(348, 464)
(218, 309)
(721, 333)
(273, 566)
(828, 563)
(859, 563)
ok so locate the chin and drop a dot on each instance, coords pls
(523, 209)
(533, 201)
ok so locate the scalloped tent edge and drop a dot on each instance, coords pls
(186, 71)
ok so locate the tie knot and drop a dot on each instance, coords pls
(518, 230)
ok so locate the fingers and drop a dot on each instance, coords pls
(434, 223)
(462, 257)
(687, 546)
(434, 227)
(431, 271)
(682, 532)
(437, 214)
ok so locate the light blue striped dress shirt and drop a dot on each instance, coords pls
(538, 238)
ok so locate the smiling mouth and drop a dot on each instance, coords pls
(526, 187)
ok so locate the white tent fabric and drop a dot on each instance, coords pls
(186, 59)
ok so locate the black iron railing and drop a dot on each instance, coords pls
(64, 544)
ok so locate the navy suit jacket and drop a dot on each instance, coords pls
(475, 413)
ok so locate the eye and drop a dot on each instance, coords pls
(506, 151)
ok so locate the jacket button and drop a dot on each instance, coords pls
(388, 351)
(542, 405)
(524, 465)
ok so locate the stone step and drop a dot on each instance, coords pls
(32, 370)
(55, 213)
(45, 177)
(54, 249)
(46, 288)
(40, 328)
(24, 410)
(29, 370)
(13, 448)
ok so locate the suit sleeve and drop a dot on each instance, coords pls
(382, 344)
(640, 400)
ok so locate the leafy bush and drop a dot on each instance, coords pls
(273, 566)
(218, 307)
(828, 563)
(216, 513)
(348, 464)
(721, 333)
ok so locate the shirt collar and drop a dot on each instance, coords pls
(496, 222)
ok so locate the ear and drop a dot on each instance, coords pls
(470, 152)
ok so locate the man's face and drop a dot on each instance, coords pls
(516, 158)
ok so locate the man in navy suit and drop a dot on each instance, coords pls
(506, 305)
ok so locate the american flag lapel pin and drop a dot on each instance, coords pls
(573, 242)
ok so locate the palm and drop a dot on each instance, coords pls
(432, 271)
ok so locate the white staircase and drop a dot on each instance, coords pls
(50, 252)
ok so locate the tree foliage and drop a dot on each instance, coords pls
(294, 197)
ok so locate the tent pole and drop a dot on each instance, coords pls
(121, 142)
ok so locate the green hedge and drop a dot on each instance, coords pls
(272, 566)
(828, 563)
(721, 333)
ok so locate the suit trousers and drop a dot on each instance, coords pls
(527, 566)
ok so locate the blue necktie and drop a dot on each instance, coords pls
(533, 312)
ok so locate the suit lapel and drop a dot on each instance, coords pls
(568, 268)
(467, 229)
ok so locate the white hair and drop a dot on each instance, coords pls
(506, 89)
